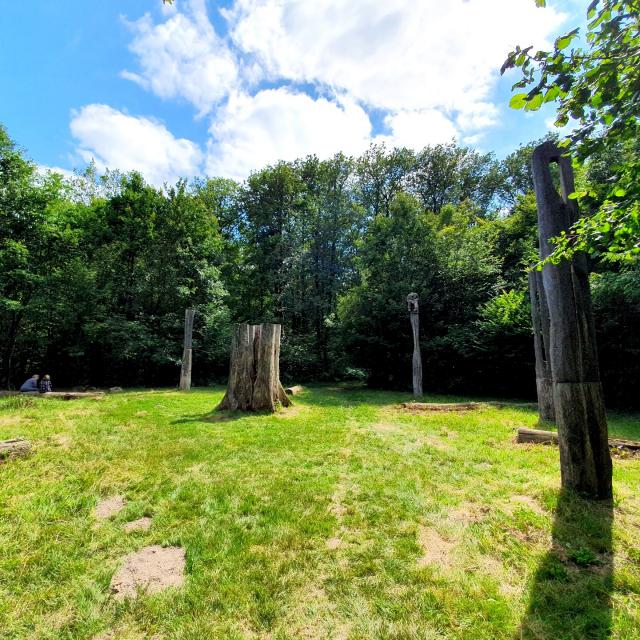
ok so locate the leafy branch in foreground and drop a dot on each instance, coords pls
(596, 86)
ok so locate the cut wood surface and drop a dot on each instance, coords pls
(14, 448)
(433, 406)
(292, 391)
(538, 436)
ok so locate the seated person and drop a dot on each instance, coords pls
(31, 384)
(45, 384)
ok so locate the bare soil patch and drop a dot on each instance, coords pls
(141, 524)
(109, 507)
(523, 501)
(333, 544)
(151, 569)
(436, 550)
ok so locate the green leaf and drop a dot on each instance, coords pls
(619, 192)
(518, 101)
(563, 42)
(535, 103)
(541, 3)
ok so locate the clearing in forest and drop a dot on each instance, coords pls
(346, 517)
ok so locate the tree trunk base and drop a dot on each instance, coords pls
(254, 377)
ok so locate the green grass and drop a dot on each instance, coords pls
(343, 517)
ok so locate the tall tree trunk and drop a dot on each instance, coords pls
(541, 327)
(187, 353)
(254, 377)
(585, 460)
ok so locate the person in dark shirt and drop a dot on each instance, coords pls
(30, 385)
(45, 384)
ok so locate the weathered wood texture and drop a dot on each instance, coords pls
(541, 328)
(187, 352)
(537, 436)
(414, 315)
(585, 459)
(432, 406)
(254, 376)
(292, 391)
(14, 448)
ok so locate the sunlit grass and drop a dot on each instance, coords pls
(342, 517)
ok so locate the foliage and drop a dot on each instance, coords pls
(595, 81)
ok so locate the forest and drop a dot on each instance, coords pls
(97, 271)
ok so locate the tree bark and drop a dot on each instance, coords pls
(541, 327)
(14, 448)
(187, 353)
(585, 459)
(254, 376)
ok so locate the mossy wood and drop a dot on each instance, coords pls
(254, 376)
(585, 460)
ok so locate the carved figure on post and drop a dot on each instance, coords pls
(414, 315)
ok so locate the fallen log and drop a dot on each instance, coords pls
(537, 436)
(433, 406)
(292, 391)
(512, 405)
(14, 448)
(70, 395)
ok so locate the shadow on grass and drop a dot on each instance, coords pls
(570, 596)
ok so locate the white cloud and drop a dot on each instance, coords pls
(116, 140)
(44, 170)
(401, 55)
(279, 124)
(183, 57)
(417, 129)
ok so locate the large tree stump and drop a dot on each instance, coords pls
(414, 315)
(187, 352)
(541, 327)
(585, 460)
(254, 376)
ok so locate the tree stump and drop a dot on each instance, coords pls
(14, 448)
(414, 315)
(585, 460)
(187, 353)
(254, 376)
(541, 326)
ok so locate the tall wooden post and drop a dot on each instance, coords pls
(254, 376)
(541, 326)
(585, 460)
(414, 315)
(187, 352)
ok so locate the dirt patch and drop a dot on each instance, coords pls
(141, 524)
(337, 507)
(151, 569)
(62, 440)
(467, 514)
(333, 543)
(436, 550)
(517, 501)
(109, 507)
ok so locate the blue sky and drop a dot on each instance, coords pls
(221, 88)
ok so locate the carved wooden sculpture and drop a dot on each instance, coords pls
(414, 314)
(541, 326)
(187, 353)
(254, 377)
(585, 460)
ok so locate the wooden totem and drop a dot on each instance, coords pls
(414, 315)
(187, 352)
(541, 326)
(585, 460)
(254, 376)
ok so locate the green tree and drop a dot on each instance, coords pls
(595, 81)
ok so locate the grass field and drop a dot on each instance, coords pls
(343, 517)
